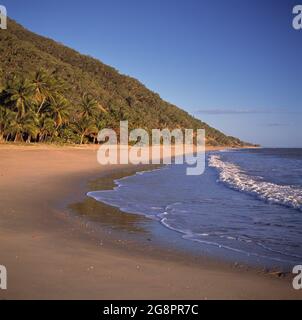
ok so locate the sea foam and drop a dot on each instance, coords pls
(236, 178)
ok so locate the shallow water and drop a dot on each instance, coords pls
(247, 204)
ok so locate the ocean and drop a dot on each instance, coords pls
(246, 206)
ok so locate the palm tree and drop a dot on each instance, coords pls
(47, 128)
(58, 110)
(25, 126)
(85, 127)
(6, 117)
(89, 106)
(44, 87)
(3, 121)
(20, 95)
(31, 126)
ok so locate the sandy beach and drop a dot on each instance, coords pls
(50, 255)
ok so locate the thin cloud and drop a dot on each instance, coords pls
(277, 124)
(227, 111)
(242, 111)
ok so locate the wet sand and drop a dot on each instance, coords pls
(52, 251)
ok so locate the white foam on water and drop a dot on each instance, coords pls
(236, 178)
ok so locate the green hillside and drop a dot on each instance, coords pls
(51, 93)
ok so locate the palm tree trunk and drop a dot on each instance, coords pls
(82, 138)
(41, 105)
(18, 137)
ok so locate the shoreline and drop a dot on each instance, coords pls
(162, 237)
(50, 257)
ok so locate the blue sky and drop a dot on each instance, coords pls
(235, 64)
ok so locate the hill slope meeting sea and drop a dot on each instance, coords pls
(51, 93)
(71, 228)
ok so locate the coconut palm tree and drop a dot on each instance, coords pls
(58, 110)
(47, 128)
(89, 107)
(2, 121)
(44, 87)
(20, 96)
(6, 117)
(85, 127)
(21, 127)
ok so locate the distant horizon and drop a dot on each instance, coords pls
(255, 83)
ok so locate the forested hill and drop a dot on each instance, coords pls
(50, 92)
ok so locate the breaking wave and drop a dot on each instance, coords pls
(236, 178)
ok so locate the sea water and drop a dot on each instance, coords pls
(247, 203)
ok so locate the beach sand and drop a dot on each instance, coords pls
(50, 254)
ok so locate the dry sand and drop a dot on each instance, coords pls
(49, 256)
